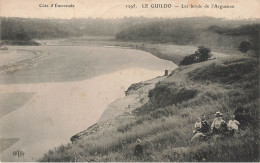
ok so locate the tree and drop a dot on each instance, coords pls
(205, 53)
(202, 54)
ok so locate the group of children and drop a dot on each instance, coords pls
(218, 126)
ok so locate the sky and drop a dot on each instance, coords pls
(243, 9)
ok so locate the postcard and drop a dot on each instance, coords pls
(129, 80)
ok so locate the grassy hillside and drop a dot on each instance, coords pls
(165, 122)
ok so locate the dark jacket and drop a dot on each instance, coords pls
(138, 150)
(205, 127)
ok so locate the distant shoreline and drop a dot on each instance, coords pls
(166, 51)
(19, 42)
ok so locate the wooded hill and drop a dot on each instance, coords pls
(195, 31)
(25, 28)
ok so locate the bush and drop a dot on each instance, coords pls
(163, 95)
(202, 54)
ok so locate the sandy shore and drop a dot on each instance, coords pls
(50, 119)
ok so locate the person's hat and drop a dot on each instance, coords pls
(138, 141)
(218, 114)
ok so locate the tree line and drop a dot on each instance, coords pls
(32, 28)
(196, 31)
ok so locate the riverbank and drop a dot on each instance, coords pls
(119, 112)
(163, 116)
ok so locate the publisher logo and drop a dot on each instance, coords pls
(18, 153)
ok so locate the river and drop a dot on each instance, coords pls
(62, 90)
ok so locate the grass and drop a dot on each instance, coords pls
(217, 150)
(165, 123)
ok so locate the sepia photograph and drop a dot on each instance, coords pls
(129, 80)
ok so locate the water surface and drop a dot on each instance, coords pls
(63, 90)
